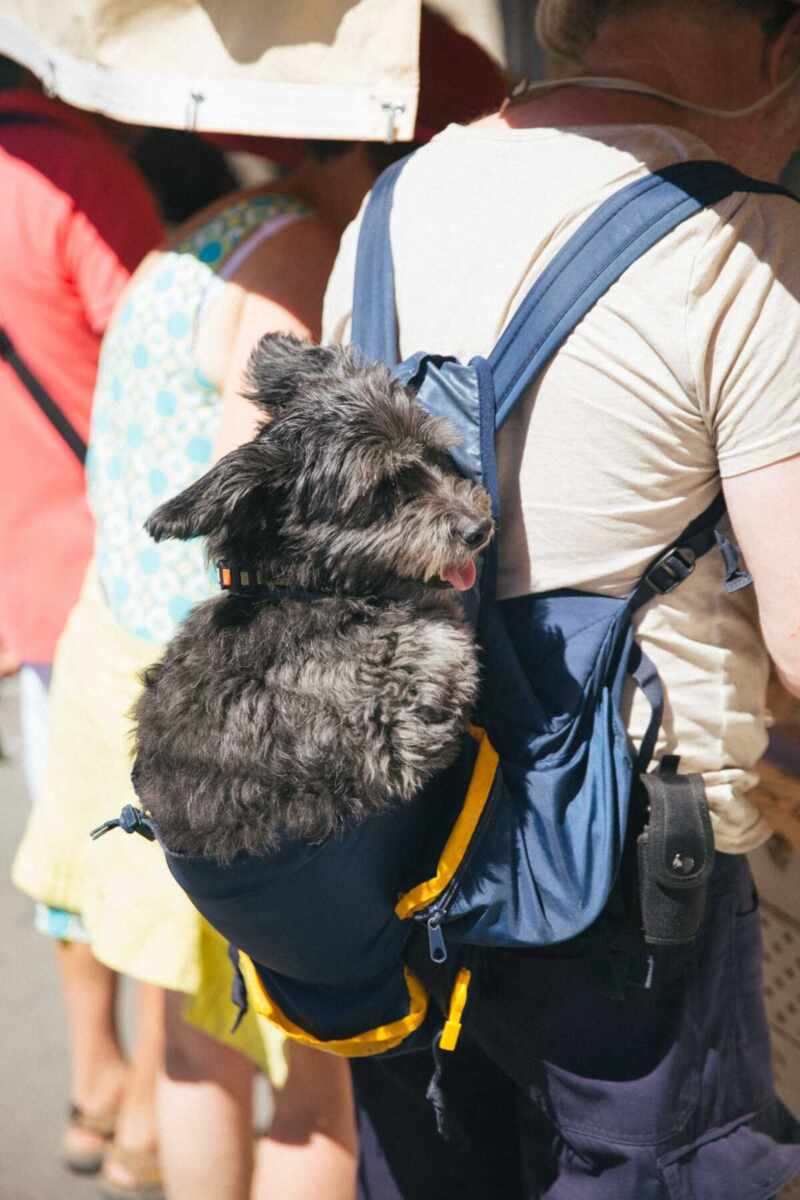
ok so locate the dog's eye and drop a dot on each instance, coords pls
(384, 499)
(432, 716)
(377, 504)
(412, 481)
(443, 461)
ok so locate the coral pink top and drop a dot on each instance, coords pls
(77, 218)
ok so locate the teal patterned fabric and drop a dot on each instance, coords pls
(59, 923)
(154, 421)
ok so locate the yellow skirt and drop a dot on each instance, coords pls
(138, 920)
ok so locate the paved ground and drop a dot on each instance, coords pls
(33, 1060)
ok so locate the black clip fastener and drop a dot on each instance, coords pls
(131, 820)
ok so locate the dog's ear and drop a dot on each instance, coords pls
(281, 367)
(210, 502)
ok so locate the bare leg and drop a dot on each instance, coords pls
(97, 1066)
(205, 1112)
(137, 1126)
(310, 1151)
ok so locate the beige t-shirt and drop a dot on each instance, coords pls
(687, 370)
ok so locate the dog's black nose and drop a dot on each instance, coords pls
(472, 535)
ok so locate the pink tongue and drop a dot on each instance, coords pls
(461, 578)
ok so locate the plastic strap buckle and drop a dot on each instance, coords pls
(671, 570)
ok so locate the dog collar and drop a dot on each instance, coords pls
(239, 579)
(252, 584)
(245, 581)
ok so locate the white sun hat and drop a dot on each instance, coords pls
(321, 68)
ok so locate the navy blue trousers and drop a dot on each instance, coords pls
(565, 1087)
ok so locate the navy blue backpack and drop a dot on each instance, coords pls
(520, 843)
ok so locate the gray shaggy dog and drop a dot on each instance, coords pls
(344, 680)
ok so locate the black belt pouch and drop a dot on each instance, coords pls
(675, 856)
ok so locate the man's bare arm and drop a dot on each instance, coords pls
(764, 507)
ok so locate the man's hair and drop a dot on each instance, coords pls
(566, 28)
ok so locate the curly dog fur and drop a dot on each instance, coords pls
(304, 708)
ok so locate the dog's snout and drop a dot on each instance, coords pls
(473, 533)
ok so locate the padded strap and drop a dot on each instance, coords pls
(374, 322)
(618, 233)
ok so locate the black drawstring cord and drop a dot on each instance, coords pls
(238, 987)
(131, 820)
(447, 1123)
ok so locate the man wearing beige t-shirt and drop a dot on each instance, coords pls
(684, 375)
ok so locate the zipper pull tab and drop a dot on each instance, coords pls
(437, 947)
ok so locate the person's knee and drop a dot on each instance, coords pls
(316, 1099)
(191, 1056)
(182, 1064)
(185, 1055)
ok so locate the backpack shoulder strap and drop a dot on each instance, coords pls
(374, 322)
(617, 234)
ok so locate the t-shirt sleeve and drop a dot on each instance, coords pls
(337, 308)
(108, 235)
(743, 332)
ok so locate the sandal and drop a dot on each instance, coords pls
(143, 1168)
(87, 1161)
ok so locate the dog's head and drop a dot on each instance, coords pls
(348, 483)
